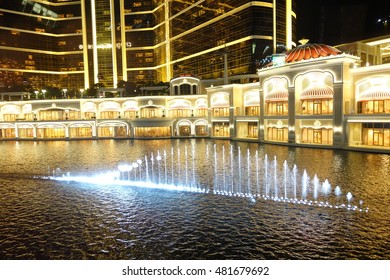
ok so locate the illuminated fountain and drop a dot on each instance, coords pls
(221, 171)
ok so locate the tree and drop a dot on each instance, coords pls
(131, 88)
(92, 92)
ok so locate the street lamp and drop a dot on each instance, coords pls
(44, 93)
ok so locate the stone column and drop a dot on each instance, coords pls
(262, 111)
(291, 114)
(338, 116)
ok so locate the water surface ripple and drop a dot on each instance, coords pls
(44, 219)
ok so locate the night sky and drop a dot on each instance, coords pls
(335, 22)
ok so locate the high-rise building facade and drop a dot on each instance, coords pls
(71, 44)
(197, 37)
(40, 44)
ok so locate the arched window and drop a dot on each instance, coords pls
(185, 89)
(374, 96)
(316, 97)
(276, 97)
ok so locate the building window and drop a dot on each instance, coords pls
(152, 131)
(26, 132)
(317, 107)
(151, 112)
(7, 133)
(219, 112)
(252, 111)
(277, 108)
(201, 130)
(184, 130)
(185, 89)
(277, 134)
(201, 112)
(9, 117)
(221, 129)
(317, 136)
(374, 107)
(52, 115)
(80, 132)
(252, 130)
(109, 115)
(179, 113)
(376, 134)
(52, 132)
(130, 114)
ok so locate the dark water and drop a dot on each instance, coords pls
(45, 219)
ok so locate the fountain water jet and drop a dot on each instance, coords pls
(250, 173)
(275, 164)
(285, 170)
(316, 183)
(305, 182)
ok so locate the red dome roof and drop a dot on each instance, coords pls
(307, 51)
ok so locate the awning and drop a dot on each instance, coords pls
(317, 92)
(277, 96)
(374, 94)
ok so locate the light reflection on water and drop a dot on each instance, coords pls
(62, 220)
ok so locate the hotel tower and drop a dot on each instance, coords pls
(71, 44)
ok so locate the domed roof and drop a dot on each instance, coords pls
(307, 51)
